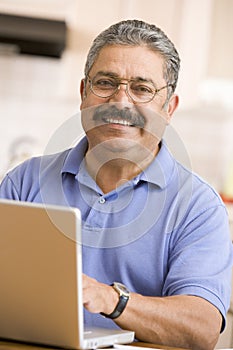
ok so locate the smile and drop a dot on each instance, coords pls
(117, 121)
(110, 114)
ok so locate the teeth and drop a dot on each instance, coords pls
(117, 121)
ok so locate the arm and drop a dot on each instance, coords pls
(183, 321)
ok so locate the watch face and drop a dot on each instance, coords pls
(121, 288)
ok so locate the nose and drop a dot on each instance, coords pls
(121, 94)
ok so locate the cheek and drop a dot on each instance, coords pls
(86, 117)
(85, 103)
(91, 100)
(155, 122)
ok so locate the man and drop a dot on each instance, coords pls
(148, 222)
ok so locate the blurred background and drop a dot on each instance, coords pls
(40, 90)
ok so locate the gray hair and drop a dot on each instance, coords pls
(138, 33)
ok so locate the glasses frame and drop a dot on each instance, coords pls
(156, 91)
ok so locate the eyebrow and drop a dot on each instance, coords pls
(116, 76)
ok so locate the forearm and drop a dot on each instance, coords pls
(183, 321)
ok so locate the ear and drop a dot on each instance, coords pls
(82, 90)
(172, 106)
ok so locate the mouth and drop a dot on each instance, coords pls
(122, 122)
(119, 117)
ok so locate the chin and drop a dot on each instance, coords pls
(118, 144)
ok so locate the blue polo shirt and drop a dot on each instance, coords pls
(163, 233)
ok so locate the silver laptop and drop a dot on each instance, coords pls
(41, 278)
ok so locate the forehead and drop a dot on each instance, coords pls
(129, 62)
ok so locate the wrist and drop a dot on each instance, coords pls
(110, 300)
(119, 297)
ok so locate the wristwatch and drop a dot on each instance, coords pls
(123, 299)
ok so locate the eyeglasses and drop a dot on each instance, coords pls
(138, 90)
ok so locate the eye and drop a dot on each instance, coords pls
(105, 83)
(140, 88)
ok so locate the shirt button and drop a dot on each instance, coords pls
(102, 200)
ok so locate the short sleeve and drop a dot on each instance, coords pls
(200, 262)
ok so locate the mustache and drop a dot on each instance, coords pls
(102, 113)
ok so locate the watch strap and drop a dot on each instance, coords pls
(123, 299)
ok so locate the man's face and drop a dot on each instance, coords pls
(116, 122)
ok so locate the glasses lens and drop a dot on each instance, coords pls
(104, 86)
(141, 91)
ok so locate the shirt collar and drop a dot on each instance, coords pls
(75, 157)
(158, 172)
(161, 169)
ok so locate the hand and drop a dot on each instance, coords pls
(98, 297)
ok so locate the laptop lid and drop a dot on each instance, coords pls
(41, 278)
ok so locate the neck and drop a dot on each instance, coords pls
(110, 173)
